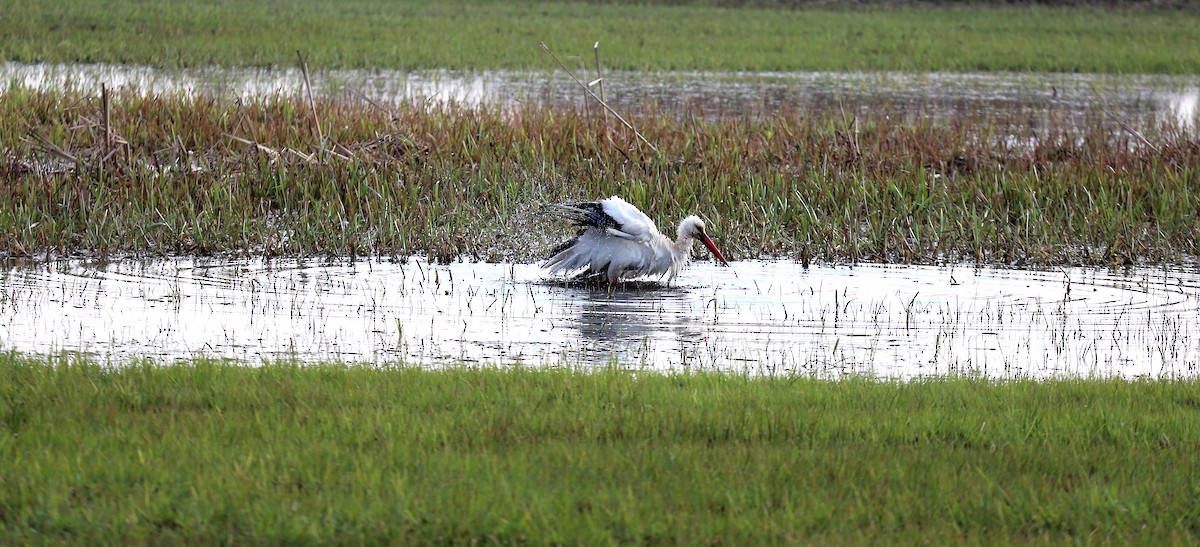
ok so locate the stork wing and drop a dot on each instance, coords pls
(613, 215)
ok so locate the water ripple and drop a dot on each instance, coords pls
(758, 317)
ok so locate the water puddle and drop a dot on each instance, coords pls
(757, 317)
(1141, 100)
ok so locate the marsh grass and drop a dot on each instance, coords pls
(472, 34)
(190, 175)
(205, 451)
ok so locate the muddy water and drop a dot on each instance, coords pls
(1027, 99)
(756, 317)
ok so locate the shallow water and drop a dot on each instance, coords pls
(1031, 99)
(755, 317)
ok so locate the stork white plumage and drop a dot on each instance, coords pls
(617, 241)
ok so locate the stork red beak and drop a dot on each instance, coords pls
(712, 247)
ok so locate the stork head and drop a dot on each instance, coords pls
(693, 228)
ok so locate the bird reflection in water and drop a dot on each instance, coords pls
(625, 323)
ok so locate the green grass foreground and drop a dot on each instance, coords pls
(208, 452)
(492, 34)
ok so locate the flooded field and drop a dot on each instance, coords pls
(1142, 100)
(755, 317)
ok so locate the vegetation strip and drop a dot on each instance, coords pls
(472, 34)
(169, 175)
(206, 451)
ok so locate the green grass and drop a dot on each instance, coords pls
(885, 186)
(505, 34)
(211, 452)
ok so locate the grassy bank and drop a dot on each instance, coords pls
(197, 177)
(490, 34)
(206, 452)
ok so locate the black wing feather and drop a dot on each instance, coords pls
(586, 213)
(564, 246)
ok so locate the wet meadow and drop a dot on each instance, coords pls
(345, 176)
(934, 235)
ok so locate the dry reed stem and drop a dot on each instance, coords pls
(311, 103)
(261, 147)
(599, 100)
(50, 148)
(107, 120)
(600, 82)
(1131, 130)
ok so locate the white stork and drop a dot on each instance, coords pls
(617, 241)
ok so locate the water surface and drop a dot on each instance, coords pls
(1029, 98)
(757, 317)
